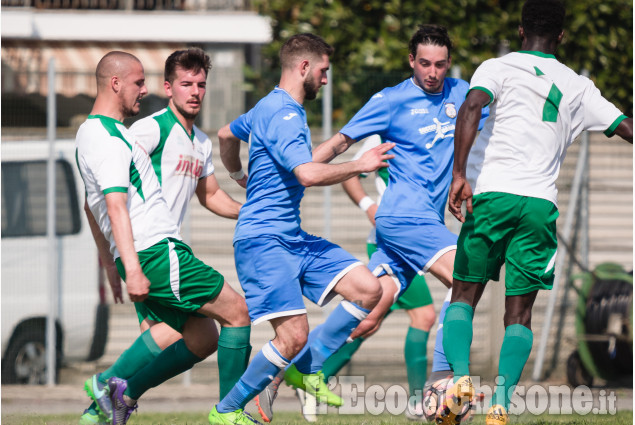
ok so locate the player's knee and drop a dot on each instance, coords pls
(369, 294)
(423, 317)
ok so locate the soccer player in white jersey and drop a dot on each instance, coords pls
(278, 262)
(538, 106)
(134, 229)
(181, 156)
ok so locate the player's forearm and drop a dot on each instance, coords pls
(221, 204)
(354, 189)
(229, 149)
(466, 127)
(103, 246)
(318, 174)
(333, 147)
(122, 231)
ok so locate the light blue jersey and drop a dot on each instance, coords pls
(421, 125)
(279, 140)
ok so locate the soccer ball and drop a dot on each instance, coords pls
(433, 397)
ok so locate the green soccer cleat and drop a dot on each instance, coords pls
(312, 384)
(91, 416)
(237, 417)
(100, 394)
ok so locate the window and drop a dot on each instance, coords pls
(24, 199)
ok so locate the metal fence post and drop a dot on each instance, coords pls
(327, 128)
(51, 337)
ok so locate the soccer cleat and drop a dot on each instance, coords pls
(264, 400)
(92, 417)
(414, 412)
(121, 409)
(309, 405)
(457, 402)
(100, 393)
(496, 415)
(237, 417)
(312, 384)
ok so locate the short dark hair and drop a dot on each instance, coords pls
(192, 59)
(302, 44)
(543, 18)
(435, 35)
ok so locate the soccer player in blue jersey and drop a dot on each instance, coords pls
(418, 115)
(277, 262)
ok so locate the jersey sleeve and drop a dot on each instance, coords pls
(599, 113)
(147, 134)
(288, 139)
(241, 126)
(110, 166)
(486, 78)
(373, 118)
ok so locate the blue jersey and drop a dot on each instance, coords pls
(421, 125)
(279, 140)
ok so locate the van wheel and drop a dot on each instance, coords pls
(25, 359)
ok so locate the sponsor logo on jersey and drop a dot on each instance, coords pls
(419, 111)
(377, 96)
(291, 115)
(450, 110)
(189, 166)
(442, 130)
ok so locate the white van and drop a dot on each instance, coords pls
(82, 325)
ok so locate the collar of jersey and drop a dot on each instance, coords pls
(287, 93)
(173, 115)
(427, 92)
(536, 53)
(104, 116)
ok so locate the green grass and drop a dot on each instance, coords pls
(287, 418)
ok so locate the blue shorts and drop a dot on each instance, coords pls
(409, 246)
(275, 273)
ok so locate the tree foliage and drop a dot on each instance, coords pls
(371, 40)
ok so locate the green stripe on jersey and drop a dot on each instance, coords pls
(115, 189)
(110, 126)
(135, 180)
(538, 71)
(483, 89)
(550, 110)
(609, 131)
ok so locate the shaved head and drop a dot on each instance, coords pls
(114, 63)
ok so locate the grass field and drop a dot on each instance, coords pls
(287, 418)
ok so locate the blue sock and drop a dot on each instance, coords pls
(260, 372)
(330, 336)
(439, 361)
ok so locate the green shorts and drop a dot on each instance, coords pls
(417, 295)
(180, 283)
(517, 231)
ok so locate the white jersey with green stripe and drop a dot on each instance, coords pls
(538, 107)
(179, 160)
(110, 160)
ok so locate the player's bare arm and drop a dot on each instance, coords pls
(333, 147)
(625, 130)
(230, 155)
(466, 127)
(355, 191)
(319, 174)
(215, 199)
(107, 260)
(138, 285)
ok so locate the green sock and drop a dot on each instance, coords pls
(340, 358)
(415, 352)
(457, 337)
(175, 359)
(233, 356)
(513, 356)
(142, 351)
